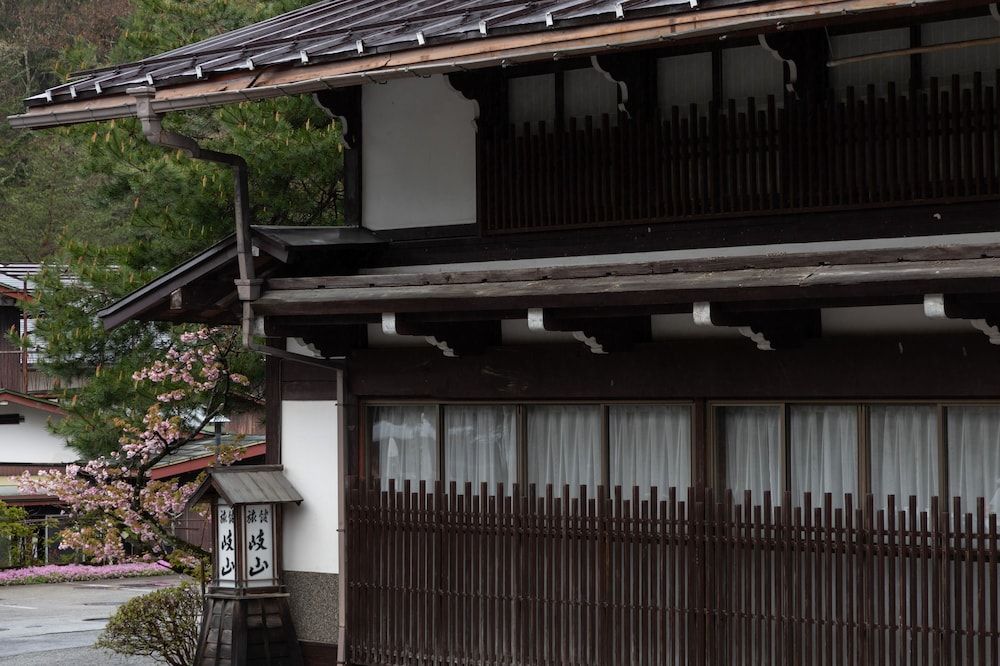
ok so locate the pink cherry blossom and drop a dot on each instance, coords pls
(114, 498)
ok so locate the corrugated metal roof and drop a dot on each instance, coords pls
(342, 29)
(249, 485)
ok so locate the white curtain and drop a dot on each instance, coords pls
(406, 440)
(824, 459)
(650, 445)
(564, 446)
(904, 454)
(974, 456)
(752, 441)
(480, 445)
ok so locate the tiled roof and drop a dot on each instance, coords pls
(342, 29)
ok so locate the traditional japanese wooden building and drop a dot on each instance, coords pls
(660, 331)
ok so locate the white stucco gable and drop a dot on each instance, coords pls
(24, 432)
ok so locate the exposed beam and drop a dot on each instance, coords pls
(601, 335)
(781, 329)
(453, 338)
(982, 312)
(792, 283)
(805, 54)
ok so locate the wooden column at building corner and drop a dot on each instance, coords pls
(344, 105)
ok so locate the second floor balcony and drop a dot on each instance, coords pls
(886, 145)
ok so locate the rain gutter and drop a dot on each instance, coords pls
(461, 56)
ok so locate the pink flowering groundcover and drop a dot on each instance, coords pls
(54, 573)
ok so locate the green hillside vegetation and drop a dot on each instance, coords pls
(116, 211)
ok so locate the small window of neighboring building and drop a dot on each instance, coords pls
(11, 419)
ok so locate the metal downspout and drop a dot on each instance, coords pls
(248, 287)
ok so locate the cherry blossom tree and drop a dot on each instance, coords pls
(114, 498)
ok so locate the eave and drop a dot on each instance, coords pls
(764, 282)
(31, 402)
(203, 462)
(165, 298)
(491, 51)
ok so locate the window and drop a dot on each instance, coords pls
(974, 456)
(904, 452)
(11, 419)
(480, 446)
(564, 445)
(888, 450)
(824, 451)
(751, 441)
(650, 445)
(405, 441)
(575, 445)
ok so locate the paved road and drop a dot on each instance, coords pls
(50, 625)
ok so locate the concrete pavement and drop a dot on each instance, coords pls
(56, 624)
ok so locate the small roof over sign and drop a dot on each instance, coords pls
(258, 484)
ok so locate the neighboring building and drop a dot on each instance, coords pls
(19, 369)
(597, 252)
(27, 445)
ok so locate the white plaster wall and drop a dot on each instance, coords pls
(31, 441)
(419, 164)
(309, 454)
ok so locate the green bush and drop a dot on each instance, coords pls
(162, 625)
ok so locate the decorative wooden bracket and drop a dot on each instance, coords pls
(453, 338)
(344, 105)
(635, 74)
(769, 330)
(601, 335)
(488, 89)
(805, 54)
(983, 314)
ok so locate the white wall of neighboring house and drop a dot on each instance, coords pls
(30, 441)
(419, 166)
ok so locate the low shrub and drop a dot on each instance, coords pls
(162, 625)
(55, 573)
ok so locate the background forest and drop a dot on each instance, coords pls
(102, 207)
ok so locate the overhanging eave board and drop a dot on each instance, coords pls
(786, 283)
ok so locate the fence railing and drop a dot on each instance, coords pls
(492, 577)
(747, 157)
